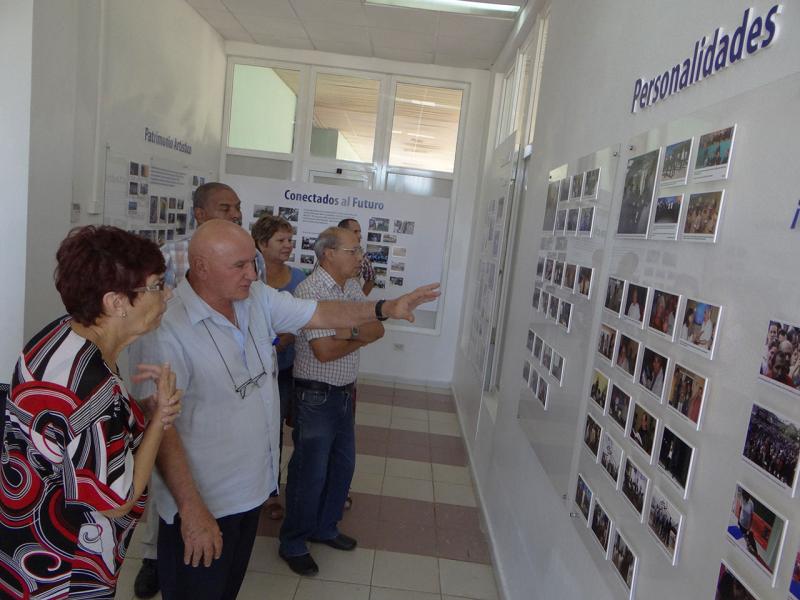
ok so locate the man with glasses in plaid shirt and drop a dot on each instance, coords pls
(219, 462)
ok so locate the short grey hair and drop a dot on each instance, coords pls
(327, 240)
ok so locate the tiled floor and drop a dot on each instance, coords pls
(414, 515)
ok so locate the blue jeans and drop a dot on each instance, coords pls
(321, 468)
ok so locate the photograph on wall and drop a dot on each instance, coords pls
(643, 428)
(537, 348)
(586, 221)
(558, 273)
(624, 561)
(373, 237)
(634, 485)
(584, 286)
(171, 218)
(702, 216)
(606, 341)
(526, 371)
(307, 243)
(675, 167)
(290, 214)
(398, 251)
(601, 525)
(407, 227)
(665, 523)
(173, 203)
(162, 210)
(576, 186)
(714, 155)
(572, 220)
(653, 372)
(545, 302)
(772, 445)
(780, 360)
(666, 217)
(533, 381)
(565, 314)
(540, 266)
(259, 210)
(557, 367)
(687, 392)
(583, 497)
(563, 190)
(561, 221)
(550, 206)
(389, 238)
(153, 210)
(549, 264)
(618, 406)
(610, 457)
(531, 339)
(378, 254)
(698, 329)
(730, 586)
(379, 224)
(133, 188)
(134, 169)
(397, 265)
(756, 529)
(547, 356)
(537, 297)
(398, 281)
(542, 392)
(591, 435)
(598, 391)
(590, 184)
(635, 303)
(663, 313)
(307, 259)
(627, 354)
(552, 311)
(637, 194)
(675, 458)
(570, 271)
(614, 293)
(794, 583)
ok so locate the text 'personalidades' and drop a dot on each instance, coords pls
(710, 56)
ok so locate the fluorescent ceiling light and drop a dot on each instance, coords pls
(465, 7)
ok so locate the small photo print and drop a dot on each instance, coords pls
(545, 302)
(772, 445)
(665, 217)
(780, 360)
(530, 341)
(584, 281)
(756, 530)
(623, 559)
(533, 381)
(606, 341)
(730, 587)
(572, 220)
(550, 206)
(586, 220)
(547, 356)
(702, 216)
(540, 267)
(558, 273)
(398, 281)
(307, 259)
(537, 348)
(686, 393)
(676, 163)
(569, 277)
(162, 210)
(170, 234)
(583, 497)
(610, 456)
(378, 254)
(794, 584)
(634, 485)
(398, 251)
(162, 237)
(563, 190)
(181, 225)
(153, 210)
(576, 187)
(618, 406)
(526, 371)
(549, 265)
(664, 522)
(144, 170)
(713, 155)
(542, 391)
(590, 184)
(173, 203)
(699, 326)
(398, 266)
(171, 217)
(290, 214)
(379, 224)
(195, 180)
(601, 525)
(133, 206)
(637, 194)
(406, 227)
(598, 392)
(143, 189)
(663, 313)
(553, 309)
(307, 242)
(181, 204)
(561, 221)
(565, 314)
(675, 457)
(134, 169)
(635, 302)
(133, 188)
(614, 291)
(380, 283)
(653, 372)
(591, 435)
(557, 367)
(389, 238)
(373, 237)
(627, 353)
(379, 271)
(259, 210)
(643, 428)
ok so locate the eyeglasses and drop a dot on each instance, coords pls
(243, 388)
(357, 251)
(156, 287)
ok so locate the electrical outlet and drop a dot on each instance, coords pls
(399, 347)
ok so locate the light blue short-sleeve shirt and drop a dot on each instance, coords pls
(231, 442)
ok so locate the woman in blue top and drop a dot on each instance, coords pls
(273, 238)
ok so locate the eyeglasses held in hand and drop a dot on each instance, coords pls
(243, 388)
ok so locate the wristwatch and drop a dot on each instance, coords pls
(379, 310)
(353, 333)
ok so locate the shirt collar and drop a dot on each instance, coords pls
(327, 280)
(198, 309)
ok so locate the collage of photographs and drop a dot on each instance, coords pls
(651, 209)
(575, 279)
(542, 368)
(565, 213)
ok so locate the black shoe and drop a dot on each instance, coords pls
(340, 542)
(146, 583)
(302, 565)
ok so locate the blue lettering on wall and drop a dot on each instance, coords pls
(332, 200)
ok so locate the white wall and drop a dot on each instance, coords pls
(595, 53)
(16, 31)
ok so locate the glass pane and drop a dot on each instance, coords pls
(263, 106)
(425, 127)
(345, 113)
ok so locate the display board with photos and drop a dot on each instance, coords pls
(693, 377)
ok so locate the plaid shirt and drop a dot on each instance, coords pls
(176, 255)
(321, 286)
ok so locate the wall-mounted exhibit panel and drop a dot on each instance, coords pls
(673, 426)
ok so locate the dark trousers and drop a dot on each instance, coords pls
(321, 467)
(220, 581)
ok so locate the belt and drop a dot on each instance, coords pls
(321, 386)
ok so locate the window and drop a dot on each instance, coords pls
(263, 108)
(345, 116)
(425, 127)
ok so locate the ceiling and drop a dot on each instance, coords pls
(349, 27)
